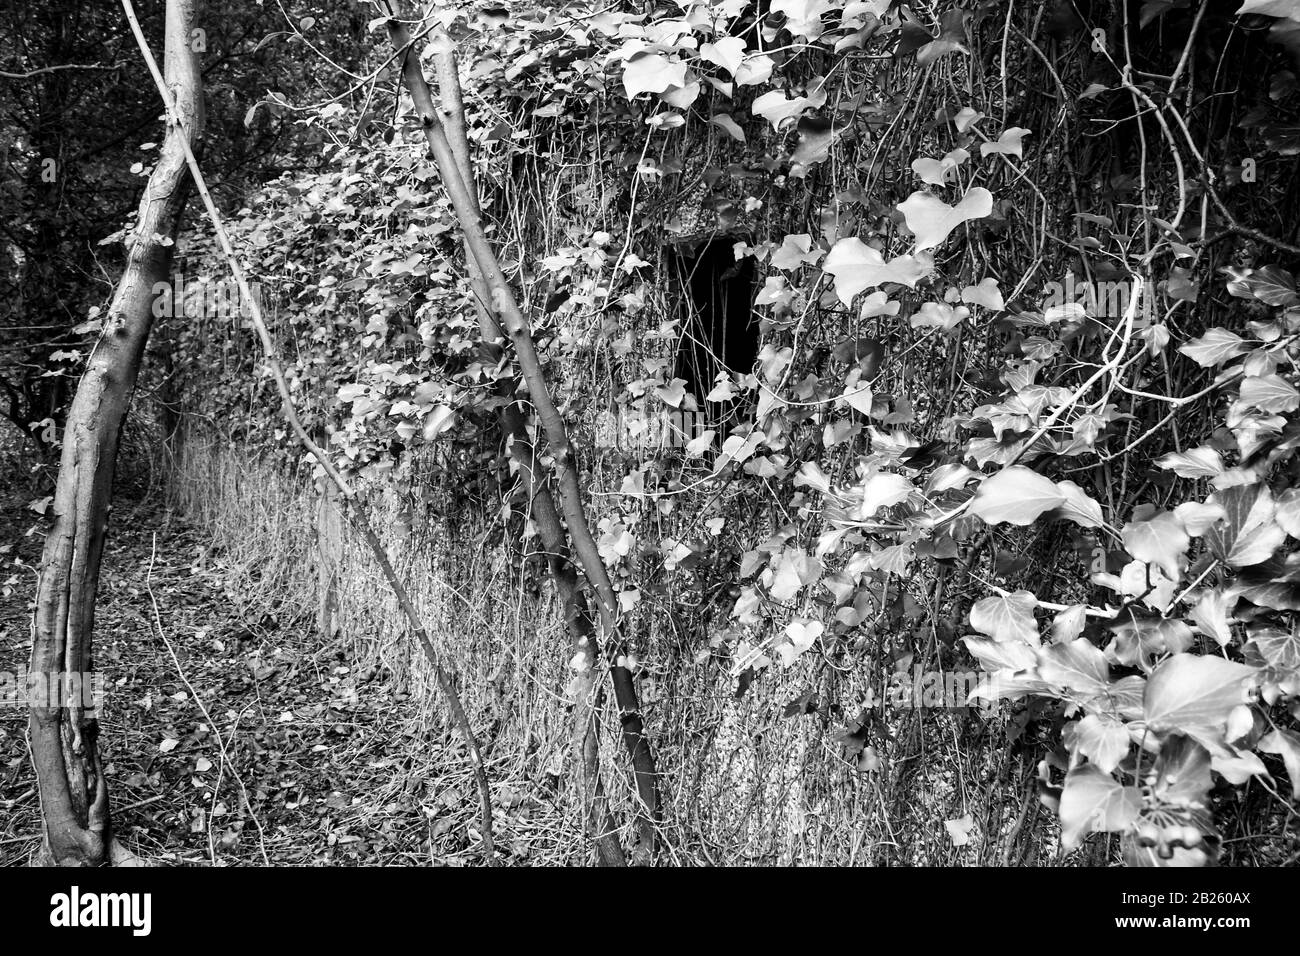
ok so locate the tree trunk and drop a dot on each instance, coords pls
(74, 794)
(495, 296)
(602, 829)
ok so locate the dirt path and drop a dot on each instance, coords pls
(227, 740)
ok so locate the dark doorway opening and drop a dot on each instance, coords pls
(718, 326)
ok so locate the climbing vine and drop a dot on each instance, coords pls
(1024, 394)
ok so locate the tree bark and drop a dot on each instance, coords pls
(495, 296)
(601, 826)
(74, 794)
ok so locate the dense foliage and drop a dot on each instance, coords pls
(1025, 391)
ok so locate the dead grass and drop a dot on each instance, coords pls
(743, 783)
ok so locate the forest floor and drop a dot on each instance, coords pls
(226, 740)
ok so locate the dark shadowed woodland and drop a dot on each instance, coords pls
(676, 433)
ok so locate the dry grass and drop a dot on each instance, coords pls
(742, 782)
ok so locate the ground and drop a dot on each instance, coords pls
(229, 740)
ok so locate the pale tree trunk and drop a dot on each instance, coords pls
(74, 794)
(600, 824)
(497, 308)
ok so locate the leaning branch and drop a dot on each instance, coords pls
(577, 613)
(441, 671)
(491, 286)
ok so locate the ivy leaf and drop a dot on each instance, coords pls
(803, 18)
(966, 118)
(951, 38)
(858, 396)
(959, 829)
(679, 97)
(1078, 665)
(738, 448)
(777, 110)
(857, 267)
(672, 393)
(1095, 802)
(1260, 585)
(795, 251)
(1288, 512)
(1215, 347)
(723, 391)
(986, 294)
(1015, 656)
(881, 490)
(1273, 286)
(932, 220)
(937, 172)
(1193, 695)
(728, 53)
(877, 303)
(1237, 766)
(1278, 648)
(1269, 393)
(1140, 638)
(1286, 745)
(1211, 616)
(1160, 540)
(439, 419)
(1271, 8)
(810, 474)
(1008, 143)
(1122, 699)
(939, 315)
(802, 635)
(1202, 462)
(1247, 535)
(697, 446)
(755, 70)
(615, 543)
(1198, 517)
(1103, 740)
(1079, 506)
(724, 122)
(946, 477)
(1016, 495)
(651, 73)
(351, 392)
(815, 138)
(785, 577)
(1009, 685)
(892, 560)
(790, 572)
(1182, 772)
(1007, 617)
(1069, 624)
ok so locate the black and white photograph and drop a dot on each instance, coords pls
(793, 435)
